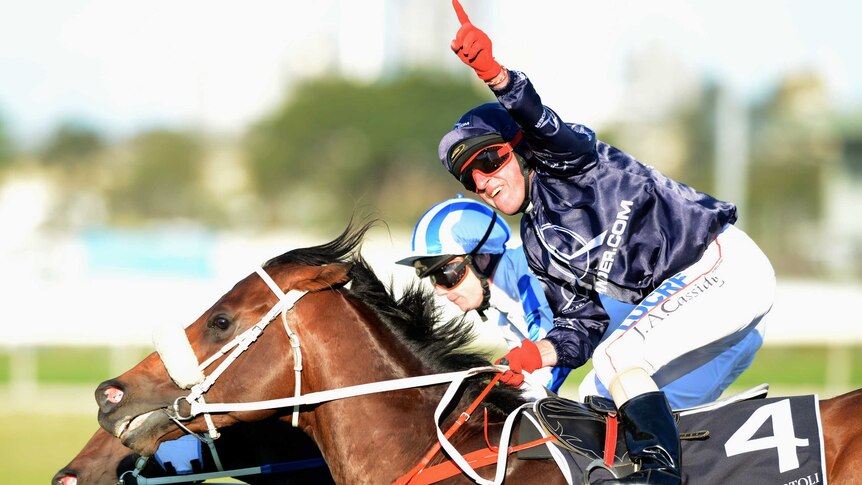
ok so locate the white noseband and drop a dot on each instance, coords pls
(176, 352)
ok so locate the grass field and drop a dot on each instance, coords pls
(34, 445)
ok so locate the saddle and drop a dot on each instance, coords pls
(589, 429)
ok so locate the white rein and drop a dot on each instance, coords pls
(286, 301)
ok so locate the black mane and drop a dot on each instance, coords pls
(414, 318)
(342, 249)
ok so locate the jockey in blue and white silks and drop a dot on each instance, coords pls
(496, 277)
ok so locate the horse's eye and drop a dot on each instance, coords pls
(220, 322)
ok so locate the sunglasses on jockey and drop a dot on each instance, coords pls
(451, 274)
(488, 161)
(449, 271)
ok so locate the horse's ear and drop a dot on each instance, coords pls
(322, 277)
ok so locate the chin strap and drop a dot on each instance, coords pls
(470, 260)
(486, 295)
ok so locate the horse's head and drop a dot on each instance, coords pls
(137, 405)
(100, 462)
(347, 337)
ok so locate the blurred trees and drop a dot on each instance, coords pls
(698, 122)
(161, 178)
(680, 143)
(71, 145)
(338, 144)
(793, 147)
(5, 146)
(335, 147)
(73, 155)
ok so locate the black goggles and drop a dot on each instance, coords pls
(450, 274)
(488, 161)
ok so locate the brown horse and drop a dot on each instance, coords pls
(352, 336)
(348, 336)
(104, 459)
(842, 437)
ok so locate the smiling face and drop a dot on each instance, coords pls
(503, 190)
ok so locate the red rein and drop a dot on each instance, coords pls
(420, 475)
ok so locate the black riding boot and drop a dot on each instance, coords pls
(652, 439)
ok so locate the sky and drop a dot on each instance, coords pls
(124, 66)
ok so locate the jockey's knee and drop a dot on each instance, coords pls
(617, 354)
(630, 383)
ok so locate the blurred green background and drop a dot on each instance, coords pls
(112, 201)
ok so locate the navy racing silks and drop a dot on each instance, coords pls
(600, 222)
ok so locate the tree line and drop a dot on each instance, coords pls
(335, 147)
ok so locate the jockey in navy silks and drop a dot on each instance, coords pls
(597, 223)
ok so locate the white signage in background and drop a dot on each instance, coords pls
(57, 292)
(24, 207)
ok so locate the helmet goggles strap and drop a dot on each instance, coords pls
(468, 259)
(486, 292)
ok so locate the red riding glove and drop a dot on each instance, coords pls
(525, 358)
(473, 47)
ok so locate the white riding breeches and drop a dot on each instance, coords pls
(695, 314)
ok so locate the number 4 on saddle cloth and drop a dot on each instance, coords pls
(756, 440)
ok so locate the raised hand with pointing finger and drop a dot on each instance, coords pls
(473, 47)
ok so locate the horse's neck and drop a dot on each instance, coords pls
(379, 437)
(375, 439)
(367, 439)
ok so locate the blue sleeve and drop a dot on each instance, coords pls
(558, 147)
(539, 322)
(532, 302)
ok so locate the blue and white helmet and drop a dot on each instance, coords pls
(455, 227)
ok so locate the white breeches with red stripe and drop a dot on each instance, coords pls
(714, 302)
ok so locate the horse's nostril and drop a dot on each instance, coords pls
(113, 396)
(109, 395)
(68, 480)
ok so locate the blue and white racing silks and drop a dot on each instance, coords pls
(600, 222)
(524, 312)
